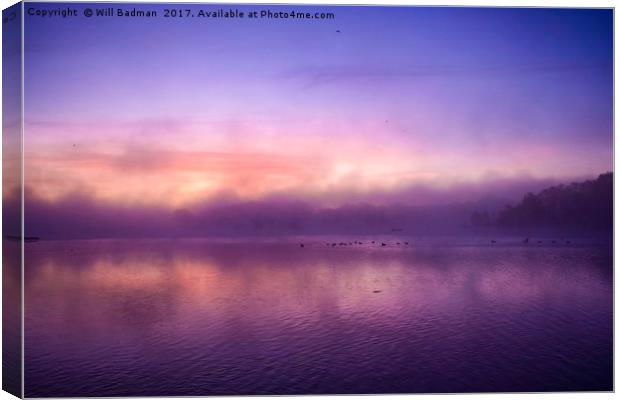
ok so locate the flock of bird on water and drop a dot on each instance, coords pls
(383, 244)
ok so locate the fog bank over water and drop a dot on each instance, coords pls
(419, 210)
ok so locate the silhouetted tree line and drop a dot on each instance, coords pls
(582, 205)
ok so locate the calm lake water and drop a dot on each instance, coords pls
(201, 317)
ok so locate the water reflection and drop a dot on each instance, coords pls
(193, 317)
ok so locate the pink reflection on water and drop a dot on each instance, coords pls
(235, 308)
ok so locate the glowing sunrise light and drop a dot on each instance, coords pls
(341, 123)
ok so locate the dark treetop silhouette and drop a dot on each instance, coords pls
(586, 205)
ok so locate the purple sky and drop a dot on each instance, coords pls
(173, 113)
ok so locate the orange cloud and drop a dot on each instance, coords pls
(172, 164)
